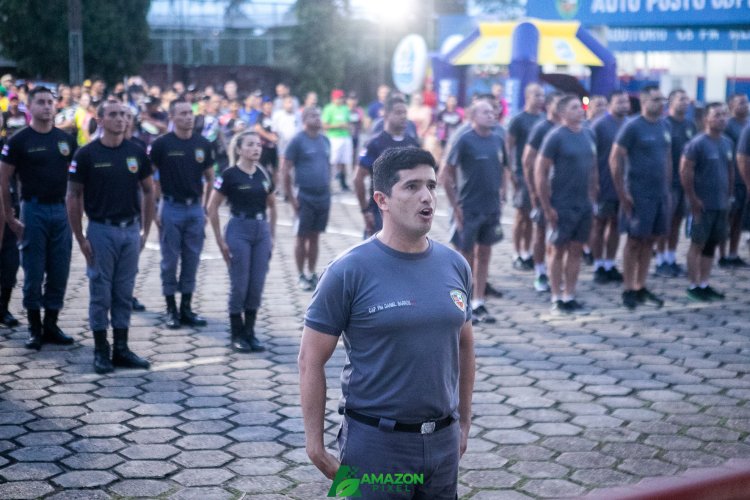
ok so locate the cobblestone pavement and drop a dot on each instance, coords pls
(562, 406)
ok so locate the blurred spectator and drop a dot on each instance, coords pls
(14, 119)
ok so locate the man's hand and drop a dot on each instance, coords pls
(87, 251)
(464, 438)
(294, 203)
(696, 208)
(225, 251)
(369, 221)
(144, 238)
(458, 217)
(551, 215)
(627, 204)
(17, 227)
(325, 462)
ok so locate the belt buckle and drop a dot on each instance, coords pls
(189, 201)
(123, 224)
(427, 428)
(258, 216)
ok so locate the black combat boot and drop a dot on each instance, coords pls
(6, 318)
(35, 329)
(236, 328)
(250, 338)
(122, 357)
(102, 358)
(51, 333)
(187, 316)
(173, 317)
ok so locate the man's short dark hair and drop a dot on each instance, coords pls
(674, 94)
(174, 103)
(735, 97)
(617, 93)
(646, 91)
(391, 103)
(714, 105)
(563, 102)
(551, 97)
(100, 110)
(387, 166)
(39, 89)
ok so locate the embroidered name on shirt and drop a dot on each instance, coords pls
(391, 305)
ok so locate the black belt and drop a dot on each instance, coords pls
(45, 200)
(117, 222)
(249, 216)
(181, 201)
(423, 428)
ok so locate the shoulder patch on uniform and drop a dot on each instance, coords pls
(5, 149)
(64, 148)
(218, 182)
(459, 299)
(132, 162)
(200, 155)
(72, 168)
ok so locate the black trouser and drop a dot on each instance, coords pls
(10, 259)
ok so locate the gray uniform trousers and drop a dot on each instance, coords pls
(249, 242)
(112, 275)
(45, 250)
(181, 237)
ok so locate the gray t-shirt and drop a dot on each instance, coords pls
(605, 129)
(520, 128)
(312, 169)
(573, 155)
(713, 158)
(400, 315)
(480, 163)
(649, 145)
(734, 132)
(682, 132)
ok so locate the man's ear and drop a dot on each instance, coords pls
(381, 200)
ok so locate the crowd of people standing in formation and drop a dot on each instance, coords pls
(135, 154)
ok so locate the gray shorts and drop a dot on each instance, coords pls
(606, 209)
(711, 225)
(650, 218)
(312, 217)
(479, 229)
(679, 203)
(573, 224)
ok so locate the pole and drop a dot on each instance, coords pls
(75, 43)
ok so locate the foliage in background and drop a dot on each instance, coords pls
(34, 33)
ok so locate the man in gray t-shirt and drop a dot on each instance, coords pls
(567, 182)
(308, 155)
(645, 144)
(707, 175)
(401, 303)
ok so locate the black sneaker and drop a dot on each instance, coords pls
(491, 291)
(614, 275)
(8, 319)
(601, 276)
(724, 262)
(712, 293)
(304, 283)
(573, 305)
(664, 270)
(737, 262)
(541, 283)
(645, 296)
(528, 264)
(481, 315)
(697, 294)
(588, 258)
(313, 280)
(518, 264)
(137, 305)
(559, 308)
(630, 299)
(676, 269)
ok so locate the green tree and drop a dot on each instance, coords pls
(34, 34)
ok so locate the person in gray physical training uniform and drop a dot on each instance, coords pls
(707, 174)
(605, 233)
(184, 161)
(248, 239)
(401, 302)
(567, 182)
(682, 130)
(308, 155)
(105, 178)
(643, 191)
(473, 179)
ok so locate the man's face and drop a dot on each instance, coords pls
(312, 121)
(383, 92)
(411, 205)
(572, 113)
(535, 98)
(653, 105)
(679, 104)
(484, 115)
(288, 104)
(396, 119)
(182, 116)
(114, 120)
(42, 106)
(740, 107)
(620, 106)
(716, 119)
(213, 104)
(282, 90)
(597, 107)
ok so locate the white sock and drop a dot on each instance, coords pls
(516, 256)
(555, 298)
(609, 264)
(525, 255)
(693, 286)
(659, 258)
(670, 257)
(476, 303)
(704, 284)
(567, 298)
(540, 269)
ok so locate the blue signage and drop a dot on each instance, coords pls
(644, 12)
(676, 39)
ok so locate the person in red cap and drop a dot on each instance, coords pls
(335, 120)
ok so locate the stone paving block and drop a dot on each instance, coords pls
(25, 471)
(202, 442)
(202, 494)
(84, 479)
(647, 468)
(75, 494)
(96, 445)
(39, 453)
(45, 438)
(145, 469)
(25, 489)
(202, 477)
(141, 488)
(567, 443)
(257, 466)
(150, 451)
(106, 417)
(151, 436)
(555, 429)
(539, 469)
(100, 461)
(202, 458)
(552, 488)
(602, 477)
(490, 479)
(585, 460)
(692, 458)
(511, 437)
(254, 433)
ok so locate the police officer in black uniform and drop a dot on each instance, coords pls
(40, 155)
(105, 178)
(184, 160)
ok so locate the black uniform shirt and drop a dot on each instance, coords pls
(110, 178)
(41, 162)
(245, 193)
(181, 164)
